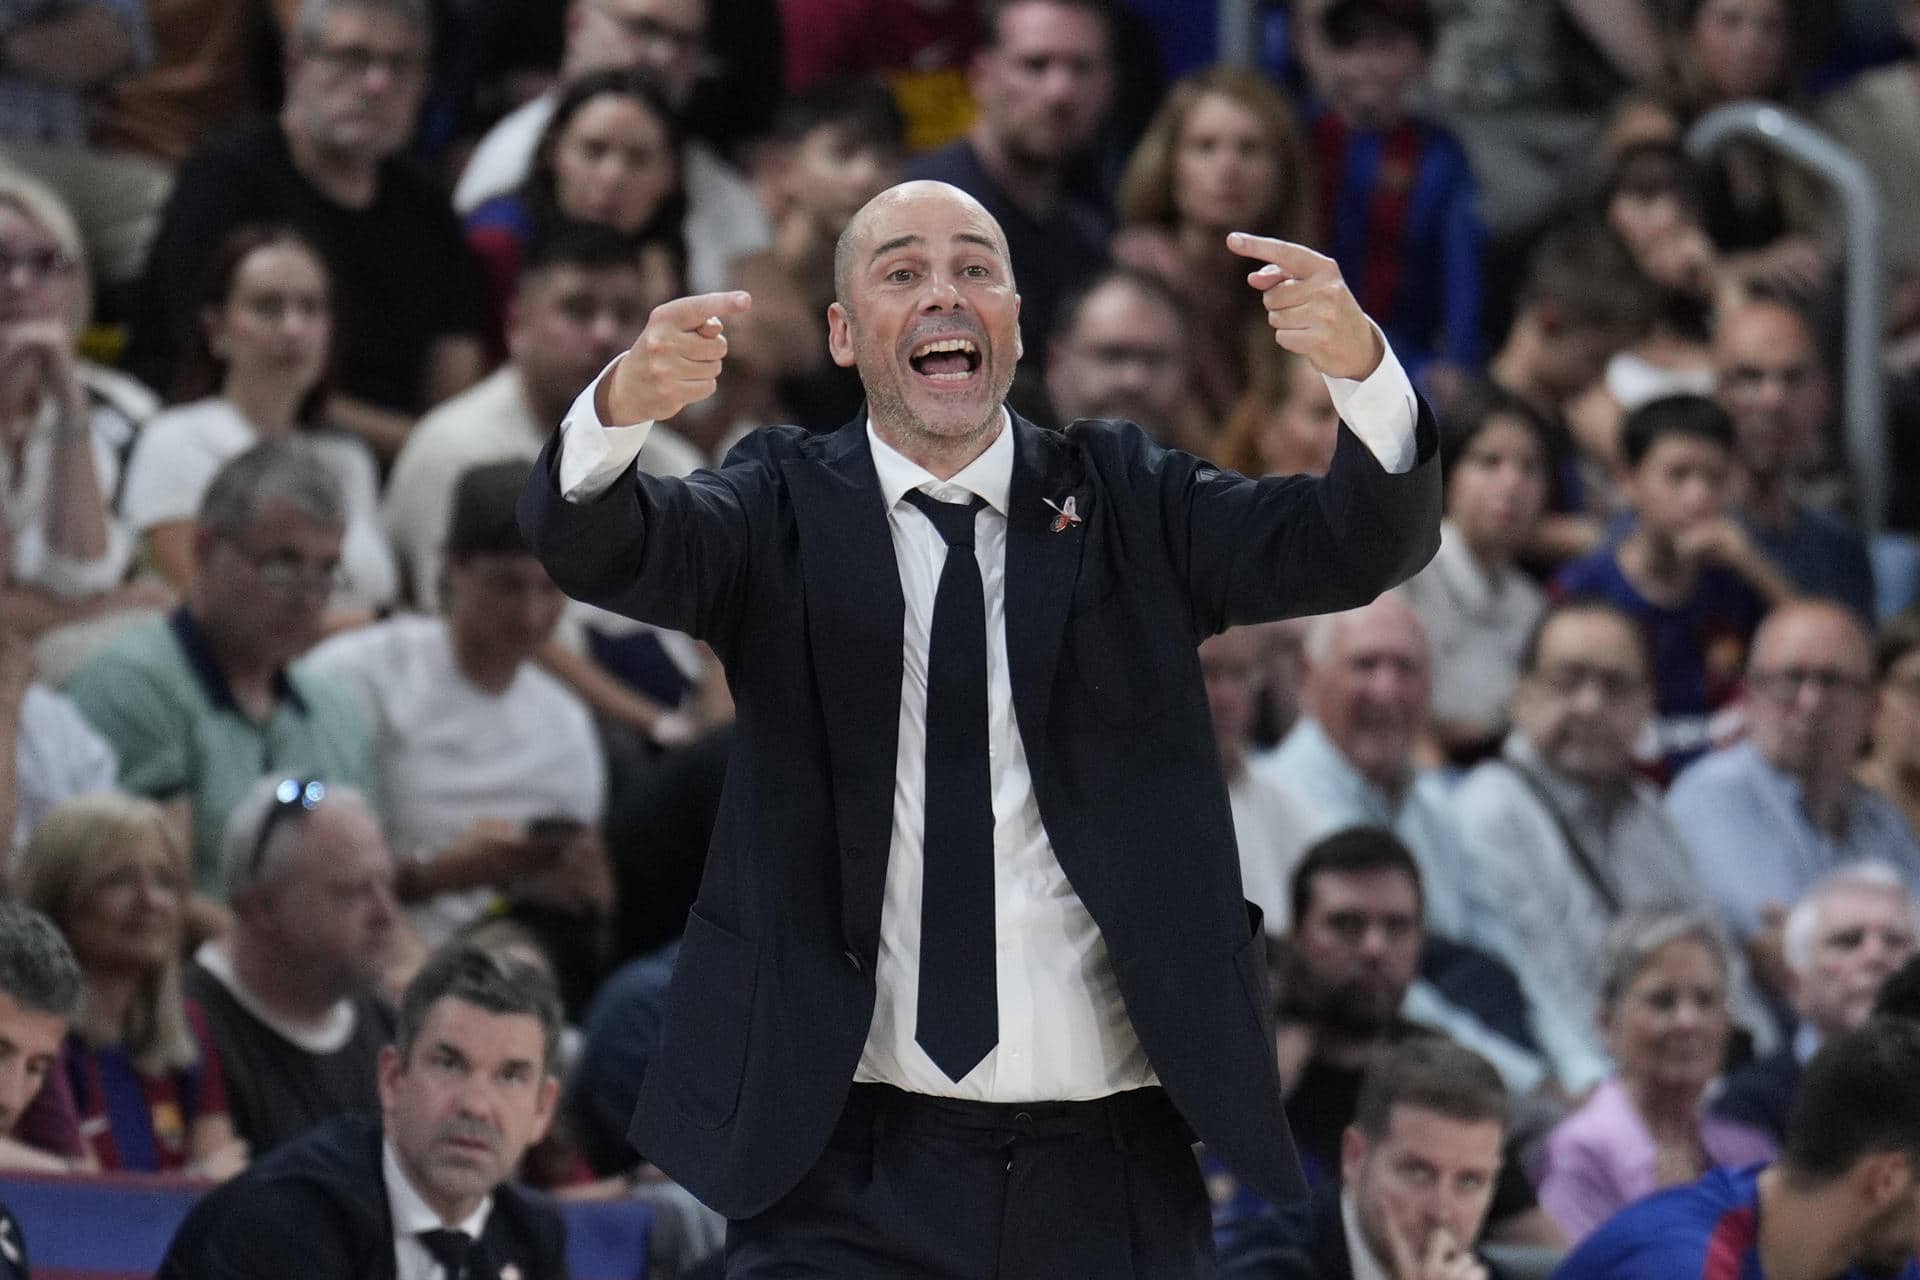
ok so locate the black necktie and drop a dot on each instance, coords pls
(958, 1017)
(450, 1249)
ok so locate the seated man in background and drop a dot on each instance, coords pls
(289, 992)
(1843, 1200)
(39, 993)
(198, 704)
(1419, 1166)
(1842, 942)
(1119, 350)
(423, 1190)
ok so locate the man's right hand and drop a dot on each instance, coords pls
(1444, 1258)
(674, 362)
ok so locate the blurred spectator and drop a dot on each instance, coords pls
(257, 370)
(147, 1090)
(1043, 82)
(1844, 1199)
(1477, 605)
(1892, 763)
(1345, 980)
(1354, 757)
(667, 40)
(1570, 837)
(55, 54)
(1119, 350)
(64, 429)
(1900, 997)
(923, 50)
(1843, 940)
(1284, 424)
(611, 154)
(1223, 154)
(1420, 1163)
(425, 1190)
(1283, 674)
(1768, 816)
(836, 144)
(1663, 1004)
(406, 293)
(1581, 300)
(1685, 570)
(493, 777)
(1270, 819)
(39, 994)
(1395, 197)
(289, 992)
(1773, 383)
(48, 751)
(198, 703)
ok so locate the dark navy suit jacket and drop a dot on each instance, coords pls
(781, 559)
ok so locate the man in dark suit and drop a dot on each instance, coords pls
(422, 1193)
(970, 953)
(1419, 1165)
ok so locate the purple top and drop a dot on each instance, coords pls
(1601, 1158)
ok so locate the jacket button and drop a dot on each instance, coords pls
(853, 960)
(853, 853)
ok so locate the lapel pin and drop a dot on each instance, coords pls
(1065, 515)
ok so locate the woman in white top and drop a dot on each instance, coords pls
(256, 369)
(1477, 605)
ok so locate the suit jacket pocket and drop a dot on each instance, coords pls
(709, 1017)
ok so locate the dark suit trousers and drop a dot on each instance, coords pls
(918, 1188)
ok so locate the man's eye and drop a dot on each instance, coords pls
(900, 275)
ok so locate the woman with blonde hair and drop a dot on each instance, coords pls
(1222, 154)
(1284, 423)
(144, 1079)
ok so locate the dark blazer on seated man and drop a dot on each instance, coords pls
(1281, 1246)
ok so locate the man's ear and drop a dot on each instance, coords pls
(1882, 1178)
(389, 1072)
(544, 1109)
(1353, 1153)
(840, 335)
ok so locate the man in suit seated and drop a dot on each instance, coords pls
(420, 1194)
(1419, 1165)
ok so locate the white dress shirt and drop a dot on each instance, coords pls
(411, 1215)
(1064, 1030)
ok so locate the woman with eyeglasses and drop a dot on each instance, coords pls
(256, 369)
(146, 1089)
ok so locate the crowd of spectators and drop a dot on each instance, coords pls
(1572, 852)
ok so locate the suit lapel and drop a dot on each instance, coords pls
(1043, 559)
(855, 618)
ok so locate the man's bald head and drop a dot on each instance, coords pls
(1811, 673)
(854, 239)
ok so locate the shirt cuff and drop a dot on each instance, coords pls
(593, 454)
(1380, 409)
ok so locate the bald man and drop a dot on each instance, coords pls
(971, 966)
(1772, 380)
(1767, 817)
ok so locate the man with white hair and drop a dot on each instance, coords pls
(289, 991)
(1845, 937)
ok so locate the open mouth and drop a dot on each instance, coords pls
(946, 360)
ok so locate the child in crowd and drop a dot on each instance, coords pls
(1685, 569)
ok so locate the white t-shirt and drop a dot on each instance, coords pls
(448, 753)
(57, 756)
(182, 448)
(1272, 824)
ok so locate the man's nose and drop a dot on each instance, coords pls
(939, 293)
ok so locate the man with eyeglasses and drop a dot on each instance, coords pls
(290, 993)
(667, 39)
(408, 306)
(1768, 816)
(1566, 832)
(199, 703)
(1119, 350)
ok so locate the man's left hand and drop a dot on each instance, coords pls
(1312, 311)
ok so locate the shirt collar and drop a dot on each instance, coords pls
(199, 655)
(1360, 1259)
(411, 1215)
(988, 476)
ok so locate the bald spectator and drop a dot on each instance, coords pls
(1043, 81)
(1843, 940)
(667, 39)
(1768, 816)
(289, 991)
(1773, 383)
(1119, 350)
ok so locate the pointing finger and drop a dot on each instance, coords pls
(702, 311)
(1294, 259)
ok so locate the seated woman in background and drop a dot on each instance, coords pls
(1285, 423)
(1476, 602)
(1664, 1011)
(256, 369)
(611, 154)
(1222, 154)
(147, 1093)
(1892, 763)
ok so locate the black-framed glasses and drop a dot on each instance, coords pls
(293, 795)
